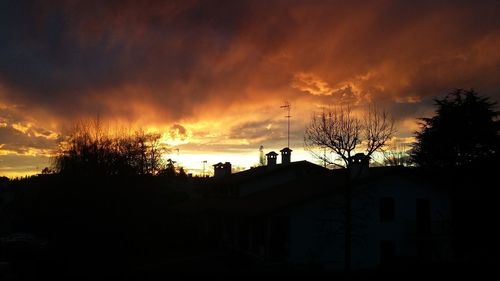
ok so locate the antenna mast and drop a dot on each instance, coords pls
(286, 107)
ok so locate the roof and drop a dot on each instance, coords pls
(302, 181)
(310, 182)
(266, 201)
(277, 198)
(260, 173)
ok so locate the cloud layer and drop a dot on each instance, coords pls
(192, 67)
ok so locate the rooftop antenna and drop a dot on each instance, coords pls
(286, 107)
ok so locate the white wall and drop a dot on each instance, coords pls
(313, 240)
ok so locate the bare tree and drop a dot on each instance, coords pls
(91, 149)
(154, 154)
(342, 133)
(378, 128)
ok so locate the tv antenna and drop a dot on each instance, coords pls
(286, 107)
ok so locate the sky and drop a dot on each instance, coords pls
(211, 75)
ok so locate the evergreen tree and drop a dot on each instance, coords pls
(464, 131)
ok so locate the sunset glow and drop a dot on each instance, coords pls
(210, 76)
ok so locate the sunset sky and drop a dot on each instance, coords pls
(211, 75)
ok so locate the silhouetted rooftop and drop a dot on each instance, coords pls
(303, 181)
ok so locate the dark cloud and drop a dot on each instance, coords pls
(75, 53)
(179, 62)
(173, 57)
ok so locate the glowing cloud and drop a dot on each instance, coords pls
(210, 76)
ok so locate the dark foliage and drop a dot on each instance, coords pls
(463, 132)
(92, 151)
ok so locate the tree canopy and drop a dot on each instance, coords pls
(464, 131)
(340, 131)
(91, 150)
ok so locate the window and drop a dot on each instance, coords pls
(387, 209)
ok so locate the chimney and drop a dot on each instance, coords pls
(271, 158)
(222, 170)
(359, 165)
(286, 155)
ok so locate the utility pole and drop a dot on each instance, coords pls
(286, 107)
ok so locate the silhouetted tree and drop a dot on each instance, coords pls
(47, 171)
(169, 170)
(464, 131)
(182, 173)
(3, 180)
(342, 133)
(154, 152)
(90, 150)
(462, 140)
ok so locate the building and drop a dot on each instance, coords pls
(294, 213)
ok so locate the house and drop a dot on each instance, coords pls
(397, 218)
(294, 213)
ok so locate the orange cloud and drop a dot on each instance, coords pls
(222, 69)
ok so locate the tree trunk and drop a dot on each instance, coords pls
(348, 224)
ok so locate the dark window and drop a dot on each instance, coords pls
(386, 209)
(387, 250)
